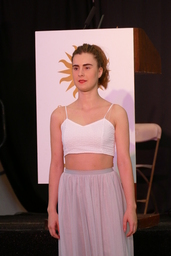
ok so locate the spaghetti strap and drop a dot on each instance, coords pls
(66, 112)
(108, 110)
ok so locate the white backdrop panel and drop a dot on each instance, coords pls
(53, 46)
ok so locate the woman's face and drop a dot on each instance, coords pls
(85, 71)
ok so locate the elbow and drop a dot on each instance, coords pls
(124, 162)
(56, 166)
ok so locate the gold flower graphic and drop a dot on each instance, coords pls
(68, 72)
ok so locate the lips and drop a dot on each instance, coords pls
(81, 81)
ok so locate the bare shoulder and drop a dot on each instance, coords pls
(119, 114)
(119, 110)
(58, 115)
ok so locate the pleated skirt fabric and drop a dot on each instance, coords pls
(91, 207)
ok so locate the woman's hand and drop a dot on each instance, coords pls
(130, 216)
(53, 225)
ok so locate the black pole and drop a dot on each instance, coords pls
(90, 16)
(3, 124)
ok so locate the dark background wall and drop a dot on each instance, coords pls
(18, 22)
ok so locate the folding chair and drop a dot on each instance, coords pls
(143, 133)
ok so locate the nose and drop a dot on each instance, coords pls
(81, 72)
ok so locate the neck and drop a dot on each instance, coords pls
(88, 100)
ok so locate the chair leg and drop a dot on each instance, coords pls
(147, 181)
(151, 177)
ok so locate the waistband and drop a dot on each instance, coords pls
(92, 172)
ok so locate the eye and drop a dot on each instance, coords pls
(75, 68)
(87, 67)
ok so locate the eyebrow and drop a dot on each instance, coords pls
(84, 65)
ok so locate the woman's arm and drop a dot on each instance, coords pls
(56, 169)
(125, 168)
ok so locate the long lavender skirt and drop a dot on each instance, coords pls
(91, 207)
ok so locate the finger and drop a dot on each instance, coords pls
(56, 236)
(132, 230)
(124, 225)
(58, 230)
(54, 233)
(130, 233)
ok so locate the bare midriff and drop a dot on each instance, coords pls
(88, 161)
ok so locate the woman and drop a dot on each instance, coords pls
(95, 205)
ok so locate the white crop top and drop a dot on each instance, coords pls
(96, 137)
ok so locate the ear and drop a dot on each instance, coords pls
(100, 72)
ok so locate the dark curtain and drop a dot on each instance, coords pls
(18, 22)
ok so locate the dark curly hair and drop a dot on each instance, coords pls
(101, 59)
